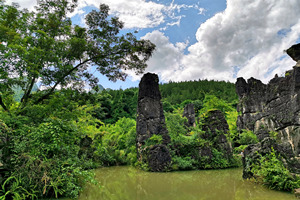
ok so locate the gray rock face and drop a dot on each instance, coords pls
(216, 129)
(272, 107)
(294, 52)
(150, 121)
(189, 113)
(251, 155)
(159, 158)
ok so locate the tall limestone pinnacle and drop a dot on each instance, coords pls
(151, 122)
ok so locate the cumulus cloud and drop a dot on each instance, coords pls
(250, 35)
(134, 13)
(144, 14)
(167, 57)
(247, 40)
(29, 4)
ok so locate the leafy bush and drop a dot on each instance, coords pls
(218, 160)
(231, 118)
(248, 137)
(116, 143)
(44, 161)
(175, 123)
(212, 102)
(183, 163)
(153, 140)
(16, 190)
(271, 171)
(239, 149)
(186, 144)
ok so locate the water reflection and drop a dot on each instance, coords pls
(128, 183)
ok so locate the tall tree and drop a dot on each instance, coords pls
(44, 46)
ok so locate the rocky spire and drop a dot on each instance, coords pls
(150, 122)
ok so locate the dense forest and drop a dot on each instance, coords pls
(123, 103)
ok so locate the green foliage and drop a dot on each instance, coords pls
(153, 140)
(167, 106)
(239, 149)
(247, 137)
(271, 171)
(231, 118)
(176, 93)
(212, 102)
(115, 143)
(183, 163)
(44, 45)
(218, 160)
(42, 153)
(16, 190)
(124, 102)
(273, 135)
(48, 153)
(175, 124)
(185, 146)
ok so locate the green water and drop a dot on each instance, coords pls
(128, 183)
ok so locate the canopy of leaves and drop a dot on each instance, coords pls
(44, 46)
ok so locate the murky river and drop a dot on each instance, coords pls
(128, 183)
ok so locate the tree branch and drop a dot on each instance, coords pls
(2, 104)
(60, 80)
(27, 92)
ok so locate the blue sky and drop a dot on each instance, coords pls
(206, 39)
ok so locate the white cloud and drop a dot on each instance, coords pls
(167, 57)
(29, 4)
(142, 13)
(246, 36)
(249, 35)
(134, 13)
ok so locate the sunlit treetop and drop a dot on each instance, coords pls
(44, 46)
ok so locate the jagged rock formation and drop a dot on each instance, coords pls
(294, 53)
(150, 121)
(273, 108)
(189, 113)
(216, 129)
